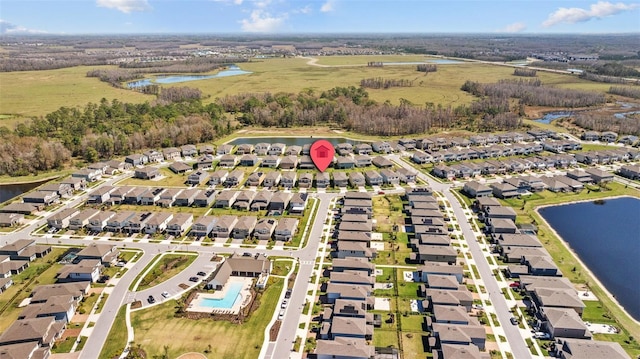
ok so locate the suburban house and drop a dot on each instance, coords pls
(289, 162)
(171, 153)
(151, 196)
(288, 179)
(243, 200)
(305, 180)
(390, 177)
(99, 222)
(344, 162)
(87, 270)
(179, 224)
(146, 173)
(356, 179)
(271, 179)
(168, 197)
(476, 189)
(223, 226)
(344, 149)
(264, 228)
(197, 178)
(503, 190)
(11, 219)
(234, 178)
(118, 222)
(244, 149)
(406, 175)
(279, 203)
(381, 147)
(186, 197)
(158, 222)
(261, 200)
(100, 194)
(136, 159)
(276, 149)
(322, 180)
(203, 226)
(340, 179)
(188, 150)
(61, 189)
(204, 198)
(306, 163)
(205, 161)
(569, 348)
(262, 148)
(373, 178)
(224, 149)
(599, 176)
(42, 198)
(229, 161)
(206, 150)
(564, 323)
(107, 254)
(225, 199)
(36, 335)
(293, 150)
(153, 156)
(61, 219)
(255, 179)
(248, 160)
(24, 250)
(362, 160)
(270, 161)
(218, 177)
(285, 229)
(244, 227)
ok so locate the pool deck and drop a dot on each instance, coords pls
(245, 298)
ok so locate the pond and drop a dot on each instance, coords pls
(171, 79)
(9, 191)
(550, 116)
(605, 235)
(290, 141)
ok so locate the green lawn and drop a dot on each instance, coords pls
(165, 268)
(64, 346)
(87, 303)
(158, 327)
(117, 337)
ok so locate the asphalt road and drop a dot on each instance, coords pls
(518, 346)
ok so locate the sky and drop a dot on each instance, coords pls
(316, 16)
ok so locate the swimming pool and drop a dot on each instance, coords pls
(230, 298)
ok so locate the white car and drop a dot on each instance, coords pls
(165, 294)
(284, 304)
(281, 315)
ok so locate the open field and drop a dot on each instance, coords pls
(166, 267)
(36, 93)
(158, 327)
(362, 60)
(41, 92)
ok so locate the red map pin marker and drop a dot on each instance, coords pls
(322, 154)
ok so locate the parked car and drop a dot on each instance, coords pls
(287, 294)
(165, 294)
(151, 299)
(514, 284)
(284, 304)
(194, 279)
(514, 320)
(201, 273)
(281, 314)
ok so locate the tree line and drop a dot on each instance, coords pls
(382, 83)
(625, 91)
(600, 122)
(533, 93)
(427, 68)
(524, 72)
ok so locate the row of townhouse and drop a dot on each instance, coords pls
(609, 137)
(43, 321)
(243, 227)
(346, 325)
(555, 302)
(608, 156)
(15, 257)
(445, 299)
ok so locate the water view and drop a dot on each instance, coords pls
(606, 237)
(171, 79)
(548, 117)
(233, 293)
(290, 141)
(9, 191)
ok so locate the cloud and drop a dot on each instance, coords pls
(126, 6)
(515, 27)
(305, 10)
(598, 10)
(328, 6)
(9, 28)
(261, 21)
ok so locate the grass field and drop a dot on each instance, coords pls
(41, 92)
(117, 337)
(158, 327)
(167, 267)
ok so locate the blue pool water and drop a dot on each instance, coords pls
(228, 301)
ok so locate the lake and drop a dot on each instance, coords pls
(606, 237)
(548, 117)
(290, 141)
(9, 191)
(171, 79)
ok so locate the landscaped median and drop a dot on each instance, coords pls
(161, 268)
